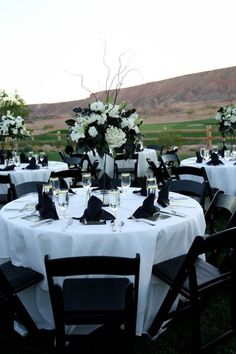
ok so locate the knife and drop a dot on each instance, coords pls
(46, 221)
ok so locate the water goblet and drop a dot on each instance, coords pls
(47, 188)
(63, 200)
(54, 181)
(125, 182)
(227, 155)
(151, 185)
(114, 203)
(86, 182)
(206, 154)
(202, 152)
(30, 155)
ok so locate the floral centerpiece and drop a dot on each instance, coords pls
(13, 127)
(106, 128)
(226, 119)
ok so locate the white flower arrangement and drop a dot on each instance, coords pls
(105, 128)
(226, 119)
(13, 127)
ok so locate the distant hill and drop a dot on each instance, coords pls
(188, 97)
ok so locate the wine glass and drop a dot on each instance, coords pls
(114, 203)
(86, 182)
(47, 188)
(125, 182)
(227, 155)
(63, 200)
(206, 154)
(54, 181)
(151, 185)
(202, 151)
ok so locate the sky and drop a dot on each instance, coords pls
(48, 45)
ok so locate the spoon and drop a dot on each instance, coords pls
(70, 222)
(121, 224)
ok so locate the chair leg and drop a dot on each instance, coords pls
(23, 315)
(196, 331)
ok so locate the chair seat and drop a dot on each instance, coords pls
(97, 295)
(20, 278)
(206, 273)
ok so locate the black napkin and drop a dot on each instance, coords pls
(2, 158)
(163, 195)
(8, 168)
(94, 211)
(47, 210)
(32, 165)
(43, 161)
(143, 190)
(64, 185)
(199, 157)
(23, 158)
(214, 160)
(40, 196)
(104, 182)
(147, 209)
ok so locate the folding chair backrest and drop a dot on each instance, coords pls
(25, 188)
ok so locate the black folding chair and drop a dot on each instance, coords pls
(18, 190)
(120, 160)
(6, 183)
(13, 280)
(110, 301)
(194, 278)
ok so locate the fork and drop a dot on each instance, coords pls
(143, 220)
(70, 222)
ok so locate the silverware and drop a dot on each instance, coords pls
(39, 223)
(143, 220)
(173, 212)
(70, 222)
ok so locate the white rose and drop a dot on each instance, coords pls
(93, 131)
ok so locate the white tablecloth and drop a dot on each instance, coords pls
(19, 175)
(27, 246)
(220, 176)
(142, 163)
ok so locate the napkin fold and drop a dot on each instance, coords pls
(147, 209)
(43, 161)
(63, 185)
(199, 157)
(94, 211)
(8, 168)
(104, 182)
(163, 195)
(47, 210)
(143, 190)
(214, 160)
(32, 165)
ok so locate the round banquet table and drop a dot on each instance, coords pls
(21, 175)
(26, 245)
(142, 162)
(220, 176)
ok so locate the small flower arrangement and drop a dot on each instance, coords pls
(226, 119)
(13, 127)
(106, 128)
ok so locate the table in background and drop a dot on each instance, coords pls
(221, 176)
(142, 163)
(170, 237)
(20, 175)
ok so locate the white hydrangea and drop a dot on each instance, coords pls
(102, 119)
(115, 137)
(113, 111)
(77, 132)
(97, 106)
(93, 131)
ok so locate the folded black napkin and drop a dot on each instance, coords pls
(8, 168)
(104, 182)
(214, 160)
(32, 165)
(163, 195)
(63, 185)
(94, 211)
(199, 157)
(40, 196)
(43, 161)
(23, 158)
(47, 210)
(143, 190)
(147, 209)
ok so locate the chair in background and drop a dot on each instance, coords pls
(124, 165)
(157, 171)
(110, 301)
(62, 155)
(168, 163)
(6, 185)
(18, 190)
(196, 190)
(74, 174)
(13, 280)
(158, 147)
(221, 213)
(194, 278)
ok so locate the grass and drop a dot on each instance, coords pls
(175, 340)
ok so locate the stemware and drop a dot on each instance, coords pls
(206, 154)
(202, 151)
(47, 188)
(114, 203)
(125, 182)
(54, 181)
(30, 155)
(151, 185)
(86, 182)
(63, 200)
